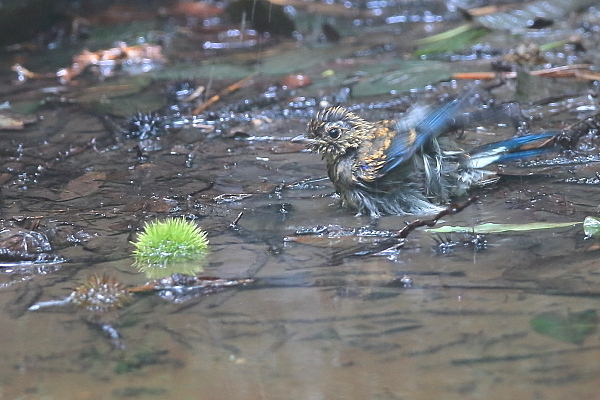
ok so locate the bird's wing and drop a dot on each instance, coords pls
(418, 128)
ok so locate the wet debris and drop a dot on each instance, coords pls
(83, 185)
(373, 242)
(20, 247)
(304, 184)
(404, 281)
(359, 241)
(144, 126)
(449, 243)
(102, 295)
(105, 63)
(453, 208)
(98, 294)
(231, 197)
(295, 81)
(571, 135)
(580, 71)
(178, 288)
(105, 293)
(235, 39)
(562, 160)
(595, 180)
(186, 108)
(337, 231)
(184, 91)
(526, 53)
(578, 143)
(11, 121)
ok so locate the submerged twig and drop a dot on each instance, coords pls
(178, 288)
(206, 187)
(571, 134)
(194, 95)
(50, 303)
(113, 335)
(24, 74)
(234, 223)
(181, 281)
(581, 71)
(453, 208)
(229, 89)
(389, 241)
(108, 330)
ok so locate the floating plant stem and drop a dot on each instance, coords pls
(50, 303)
(490, 227)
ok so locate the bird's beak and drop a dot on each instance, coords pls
(302, 138)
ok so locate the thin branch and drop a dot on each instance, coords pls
(453, 208)
(229, 89)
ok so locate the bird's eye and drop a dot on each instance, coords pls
(334, 133)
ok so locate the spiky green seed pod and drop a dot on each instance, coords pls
(169, 241)
(100, 293)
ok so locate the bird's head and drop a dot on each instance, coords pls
(335, 130)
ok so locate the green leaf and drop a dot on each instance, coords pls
(452, 40)
(519, 19)
(400, 76)
(573, 328)
(449, 34)
(591, 226)
(491, 227)
(278, 61)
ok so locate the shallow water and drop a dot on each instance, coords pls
(320, 321)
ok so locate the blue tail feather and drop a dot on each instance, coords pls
(511, 149)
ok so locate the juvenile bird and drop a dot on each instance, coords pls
(405, 166)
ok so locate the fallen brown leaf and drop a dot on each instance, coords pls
(83, 185)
